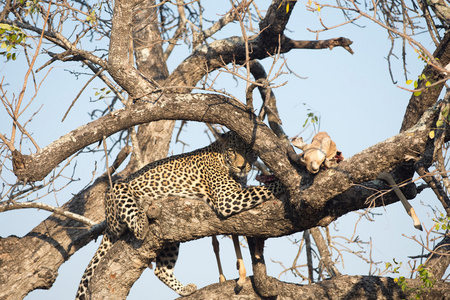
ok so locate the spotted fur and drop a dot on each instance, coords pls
(216, 174)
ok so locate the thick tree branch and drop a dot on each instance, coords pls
(154, 138)
(322, 44)
(32, 261)
(231, 113)
(338, 288)
(119, 66)
(215, 55)
(362, 167)
(51, 244)
(207, 108)
(438, 262)
(184, 220)
(418, 104)
(274, 23)
(333, 193)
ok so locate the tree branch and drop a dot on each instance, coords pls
(183, 220)
(56, 210)
(207, 108)
(342, 287)
(57, 238)
(418, 104)
(322, 44)
(33, 260)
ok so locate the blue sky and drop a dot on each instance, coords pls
(354, 95)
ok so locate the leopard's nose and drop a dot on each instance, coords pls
(242, 167)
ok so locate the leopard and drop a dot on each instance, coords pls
(216, 174)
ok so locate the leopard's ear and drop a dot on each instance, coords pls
(220, 137)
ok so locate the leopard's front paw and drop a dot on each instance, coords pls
(188, 289)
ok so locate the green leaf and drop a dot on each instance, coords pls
(4, 45)
(9, 47)
(417, 93)
(439, 123)
(5, 26)
(416, 84)
(409, 81)
(287, 7)
(306, 122)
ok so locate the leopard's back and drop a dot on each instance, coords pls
(186, 175)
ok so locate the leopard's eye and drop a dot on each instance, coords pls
(231, 154)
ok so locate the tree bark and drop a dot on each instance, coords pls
(338, 288)
(32, 261)
(36, 257)
(154, 137)
(333, 193)
(419, 104)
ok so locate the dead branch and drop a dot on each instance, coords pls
(325, 255)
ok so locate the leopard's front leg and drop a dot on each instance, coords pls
(165, 263)
(122, 204)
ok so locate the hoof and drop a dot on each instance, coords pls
(222, 278)
(238, 287)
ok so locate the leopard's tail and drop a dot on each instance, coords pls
(89, 272)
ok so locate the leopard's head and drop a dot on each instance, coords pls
(238, 155)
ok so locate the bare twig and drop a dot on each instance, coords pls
(56, 210)
(81, 91)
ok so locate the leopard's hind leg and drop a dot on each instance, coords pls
(165, 262)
